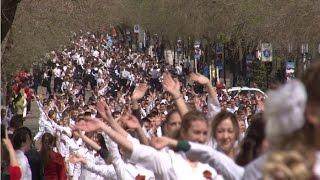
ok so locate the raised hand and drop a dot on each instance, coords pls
(89, 125)
(103, 109)
(139, 92)
(171, 85)
(199, 78)
(130, 121)
(7, 141)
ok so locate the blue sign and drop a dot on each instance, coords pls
(219, 49)
(266, 53)
(219, 64)
(249, 58)
(206, 71)
(290, 65)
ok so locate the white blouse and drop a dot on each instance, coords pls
(126, 170)
(221, 162)
(167, 164)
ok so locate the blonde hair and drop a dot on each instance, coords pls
(287, 165)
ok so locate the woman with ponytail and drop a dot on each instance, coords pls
(54, 167)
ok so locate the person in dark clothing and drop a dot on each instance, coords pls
(36, 80)
(36, 164)
(46, 82)
(93, 78)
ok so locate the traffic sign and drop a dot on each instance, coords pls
(266, 52)
(136, 28)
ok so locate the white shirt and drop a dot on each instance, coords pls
(66, 85)
(155, 73)
(76, 56)
(179, 69)
(167, 164)
(316, 167)
(108, 63)
(80, 61)
(125, 74)
(102, 172)
(213, 108)
(126, 170)
(233, 110)
(221, 162)
(95, 53)
(24, 165)
(57, 72)
(47, 125)
(254, 170)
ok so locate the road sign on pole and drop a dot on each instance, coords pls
(266, 52)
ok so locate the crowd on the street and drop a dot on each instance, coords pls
(118, 113)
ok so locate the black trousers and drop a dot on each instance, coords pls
(57, 84)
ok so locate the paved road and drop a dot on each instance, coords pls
(32, 119)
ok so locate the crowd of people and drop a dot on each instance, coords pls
(118, 113)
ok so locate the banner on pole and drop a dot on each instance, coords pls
(197, 50)
(136, 28)
(266, 52)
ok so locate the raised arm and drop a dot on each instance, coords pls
(87, 140)
(213, 103)
(106, 171)
(173, 87)
(146, 156)
(94, 124)
(137, 94)
(105, 112)
(117, 162)
(203, 80)
(14, 169)
(131, 122)
(12, 154)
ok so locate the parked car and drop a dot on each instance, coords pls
(244, 90)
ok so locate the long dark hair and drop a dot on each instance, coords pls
(251, 144)
(47, 143)
(101, 141)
